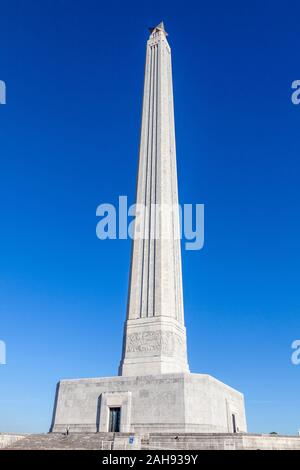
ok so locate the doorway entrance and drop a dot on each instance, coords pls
(234, 427)
(114, 419)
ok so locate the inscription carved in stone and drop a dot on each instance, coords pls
(164, 342)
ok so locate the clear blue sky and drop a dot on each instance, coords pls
(69, 141)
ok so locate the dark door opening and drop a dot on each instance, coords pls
(234, 428)
(114, 419)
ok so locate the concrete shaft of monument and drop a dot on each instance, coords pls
(154, 335)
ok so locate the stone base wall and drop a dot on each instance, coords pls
(179, 403)
(221, 442)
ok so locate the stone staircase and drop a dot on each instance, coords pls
(155, 441)
(76, 441)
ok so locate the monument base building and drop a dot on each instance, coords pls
(154, 392)
(172, 403)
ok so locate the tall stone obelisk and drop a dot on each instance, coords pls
(154, 335)
(154, 391)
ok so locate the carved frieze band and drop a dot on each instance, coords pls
(158, 342)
